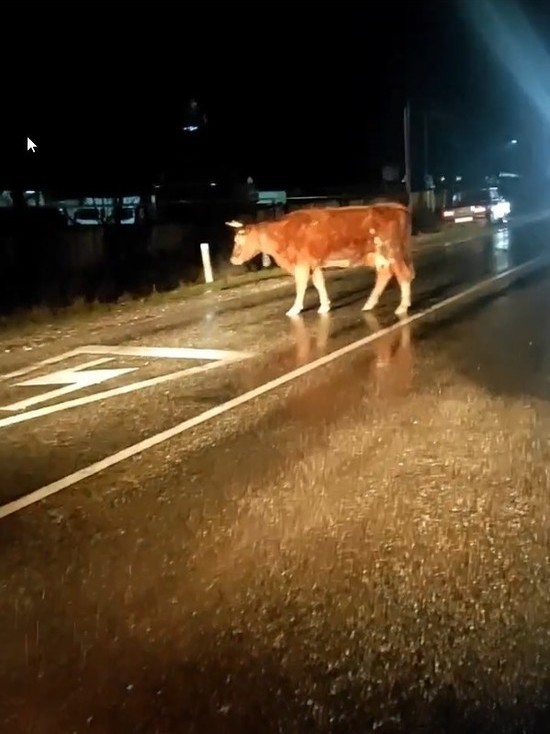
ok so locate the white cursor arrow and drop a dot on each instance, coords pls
(72, 379)
(30, 145)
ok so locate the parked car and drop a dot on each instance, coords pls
(478, 205)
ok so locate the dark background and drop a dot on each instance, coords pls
(294, 93)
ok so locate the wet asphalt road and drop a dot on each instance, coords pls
(363, 549)
(45, 448)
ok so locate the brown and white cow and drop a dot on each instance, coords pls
(306, 241)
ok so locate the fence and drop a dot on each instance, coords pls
(420, 200)
(425, 205)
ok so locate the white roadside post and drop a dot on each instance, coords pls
(266, 260)
(206, 262)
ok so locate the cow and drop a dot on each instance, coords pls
(305, 241)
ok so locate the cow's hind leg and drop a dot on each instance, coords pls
(301, 277)
(383, 277)
(403, 275)
(319, 282)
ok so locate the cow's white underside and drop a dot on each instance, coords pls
(379, 262)
(338, 264)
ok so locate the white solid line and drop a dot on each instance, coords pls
(137, 448)
(132, 387)
(164, 352)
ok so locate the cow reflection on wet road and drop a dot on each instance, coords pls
(303, 338)
(389, 371)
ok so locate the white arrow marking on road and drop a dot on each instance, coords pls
(158, 352)
(31, 145)
(72, 379)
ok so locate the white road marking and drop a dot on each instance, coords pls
(38, 365)
(75, 378)
(158, 352)
(166, 352)
(49, 489)
(123, 390)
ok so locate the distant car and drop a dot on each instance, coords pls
(87, 215)
(479, 205)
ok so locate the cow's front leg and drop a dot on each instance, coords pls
(383, 277)
(319, 282)
(301, 277)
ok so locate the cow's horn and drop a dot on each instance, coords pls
(236, 225)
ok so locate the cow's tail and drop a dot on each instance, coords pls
(406, 239)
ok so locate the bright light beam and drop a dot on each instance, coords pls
(506, 31)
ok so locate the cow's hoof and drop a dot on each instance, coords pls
(324, 308)
(294, 311)
(401, 310)
(368, 306)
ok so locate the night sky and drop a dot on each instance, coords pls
(294, 93)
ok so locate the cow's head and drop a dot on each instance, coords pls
(246, 243)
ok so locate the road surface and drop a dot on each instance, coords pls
(362, 546)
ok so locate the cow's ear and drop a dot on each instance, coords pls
(234, 224)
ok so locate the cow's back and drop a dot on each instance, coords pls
(353, 233)
(319, 236)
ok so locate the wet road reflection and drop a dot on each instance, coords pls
(392, 354)
(392, 368)
(501, 242)
(441, 274)
(303, 338)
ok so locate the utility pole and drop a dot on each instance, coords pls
(407, 146)
(425, 146)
